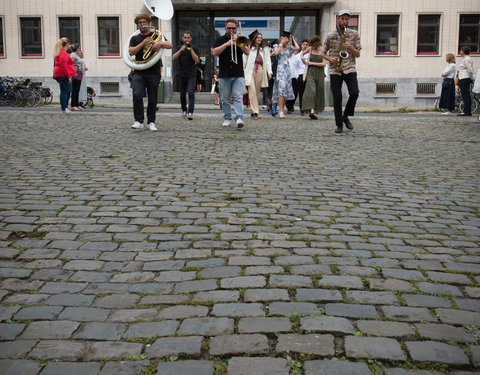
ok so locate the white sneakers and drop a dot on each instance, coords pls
(448, 113)
(137, 125)
(66, 110)
(239, 123)
(226, 123)
(190, 116)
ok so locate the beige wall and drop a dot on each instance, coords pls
(407, 63)
(49, 11)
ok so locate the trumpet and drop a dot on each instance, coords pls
(242, 41)
(188, 46)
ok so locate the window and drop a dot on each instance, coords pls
(2, 48)
(109, 88)
(387, 34)
(428, 34)
(108, 36)
(302, 24)
(31, 36)
(386, 89)
(69, 27)
(469, 33)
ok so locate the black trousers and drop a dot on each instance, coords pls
(140, 81)
(187, 85)
(336, 82)
(464, 85)
(290, 104)
(75, 91)
(301, 89)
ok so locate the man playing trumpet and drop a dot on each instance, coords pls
(231, 76)
(341, 48)
(147, 78)
(187, 56)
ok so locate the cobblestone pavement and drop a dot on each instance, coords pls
(278, 249)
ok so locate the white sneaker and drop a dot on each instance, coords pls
(264, 107)
(137, 125)
(184, 114)
(67, 110)
(152, 127)
(190, 116)
(448, 113)
(239, 123)
(226, 123)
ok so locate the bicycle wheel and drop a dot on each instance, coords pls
(90, 101)
(38, 97)
(49, 97)
(473, 106)
(17, 98)
(437, 105)
(28, 98)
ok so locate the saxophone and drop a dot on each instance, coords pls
(342, 54)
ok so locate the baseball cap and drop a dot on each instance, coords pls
(344, 11)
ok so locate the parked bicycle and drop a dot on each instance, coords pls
(459, 102)
(90, 95)
(23, 92)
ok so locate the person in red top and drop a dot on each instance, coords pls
(63, 71)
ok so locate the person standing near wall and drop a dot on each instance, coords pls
(63, 71)
(465, 79)
(343, 69)
(447, 97)
(187, 56)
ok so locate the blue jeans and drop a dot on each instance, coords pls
(234, 85)
(65, 90)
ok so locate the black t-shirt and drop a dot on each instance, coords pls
(185, 63)
(226, 66)
(135, 41)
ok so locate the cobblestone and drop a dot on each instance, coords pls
(199, 249)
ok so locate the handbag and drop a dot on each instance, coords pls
(446, 83)
(456, 79)
(79, 75)
(212, 91)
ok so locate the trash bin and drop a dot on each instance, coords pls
(161, 92)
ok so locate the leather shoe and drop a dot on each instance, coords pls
(339, 129)
(313, 116)
(347, 123)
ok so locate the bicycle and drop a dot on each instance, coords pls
(459, 102)
(90, 95)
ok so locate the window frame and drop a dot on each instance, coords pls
(20, 39)
(399, 33)
(439, 31)
(109, 55)
(2, 35)
(79, 28)
(460, 45)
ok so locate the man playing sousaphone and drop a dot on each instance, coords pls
(341, 48)
(147, 78)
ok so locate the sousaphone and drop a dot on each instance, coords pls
(162, 9)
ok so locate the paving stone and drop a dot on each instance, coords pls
(124, 368)
(351, 310)
(84, 314)
(60, 350)
(71, 368)
(182, 312)
(264, 325)
(432, 288)
(152, 329)
(444, 332)
(287, 281)
(38, 313)
(132, 315)
(383, 328)
(217, 296)
(10, 331)
(195, 286)
(235, 344)
(100, 331)
(375, 298)
(374, 347)
(454, 316)
(167, 346)
(328, 367)
(200, 367)
(391, 284)
(326, 324)
(257, 366)
(217, 272)
(206, 326)
(308, 344)
(16, 349)
(352, 282)
(238, 309)
(408, 314)
(102, 350)
(436, 352)
(262, 295)
(318, 295)
(19, 367)
(116, 301)
(50, 330)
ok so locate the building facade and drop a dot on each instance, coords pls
(404, 42)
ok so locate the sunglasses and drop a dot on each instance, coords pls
(231, 28)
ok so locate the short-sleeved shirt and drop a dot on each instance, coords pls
(227, 67)
(135, 41)
(186, 66)
(332, 48)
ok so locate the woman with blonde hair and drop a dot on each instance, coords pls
(447, 97)
(63, 71)
(258, 70)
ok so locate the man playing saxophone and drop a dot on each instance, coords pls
(342, 48)
(143, 46)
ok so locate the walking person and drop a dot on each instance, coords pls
(297, 68)
(63, 71)
(447, 97)
(187, 56)
(314, 94)
(465, 79)
(77, 79)
(282, 88)
(258, 70)
(231, 76)
(148, 78)
(342, 68)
